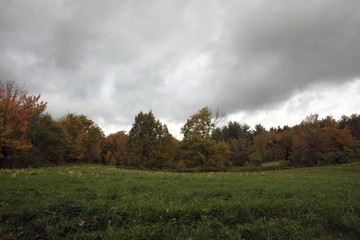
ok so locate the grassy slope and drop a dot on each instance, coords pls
(89, 202)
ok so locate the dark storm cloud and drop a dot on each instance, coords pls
(110, 60)
(275, 49)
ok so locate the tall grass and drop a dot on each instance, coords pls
(101, 202)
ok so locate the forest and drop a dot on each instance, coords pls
(31, 137)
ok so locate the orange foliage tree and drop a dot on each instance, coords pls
(115, 149)
(307, 139)
(335, 139)
(15, 110)
(268, 144)
(321, 142)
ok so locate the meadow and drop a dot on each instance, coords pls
(103, 202)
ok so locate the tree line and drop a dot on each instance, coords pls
(31, 137)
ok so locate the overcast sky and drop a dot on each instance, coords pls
(268, 62)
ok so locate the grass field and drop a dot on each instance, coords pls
(101, 202)
(271, 164)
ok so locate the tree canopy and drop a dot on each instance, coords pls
(16, 107)
(149, 142)
(29, 137)
(198, 147)
(85, 138)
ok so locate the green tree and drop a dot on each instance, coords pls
(240, 150)
(255, 158)
(259, 129)
(238, 136)
(149, 142)
(352, 123)
(199, 126)
(48, 140)
(287, 136)
(235, 130)
(198, 147)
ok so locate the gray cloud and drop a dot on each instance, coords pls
(110, 60)
(276, 49)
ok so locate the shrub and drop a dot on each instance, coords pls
(255, 159)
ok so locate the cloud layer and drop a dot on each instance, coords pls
(110, 60)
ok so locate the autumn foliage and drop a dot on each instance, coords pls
(84, 137)
(114, 149)
(321, 142)
(30, 137)
(15, 110)
(313, 142)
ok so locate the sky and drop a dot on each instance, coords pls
(269, 62)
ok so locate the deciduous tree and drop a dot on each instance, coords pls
(198, 147)
(16, 107)
(48, 140)
(321, 142)
(115, 149)
(240, 151)
(149, 142)
(85, 138)
(268, 145)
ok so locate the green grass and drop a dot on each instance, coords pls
(271, 164)
(101, 202)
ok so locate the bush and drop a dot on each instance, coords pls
(318, 158)
(255, 159)
(298, 159)
(333, 157)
